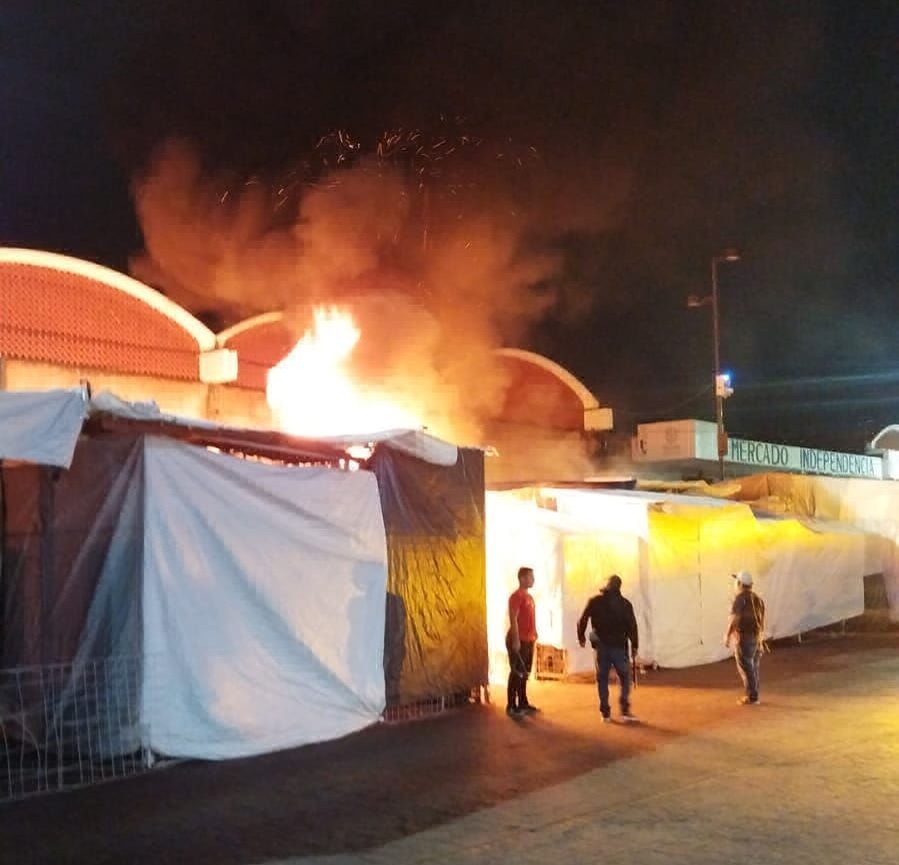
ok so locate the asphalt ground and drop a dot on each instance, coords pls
(392, 784)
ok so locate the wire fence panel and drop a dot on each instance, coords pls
(68, 725)
(64, 726)
(434, 706)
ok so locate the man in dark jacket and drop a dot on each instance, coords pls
(614, 626)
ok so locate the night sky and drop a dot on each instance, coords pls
(666, 131)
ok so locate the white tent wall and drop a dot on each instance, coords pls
(41, 427)
(263, 599)
(587, 557)
(729, 541)
(568, 554)
(605, 534)
(692, 552)
(516, 536)
(810, 577)
(675, 591)
(675, 556)
(673, 561)
(871, 506)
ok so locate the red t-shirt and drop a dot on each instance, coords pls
(521, 609)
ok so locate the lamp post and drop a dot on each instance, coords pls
(728, 255)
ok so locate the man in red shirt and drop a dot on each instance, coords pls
(520, 643)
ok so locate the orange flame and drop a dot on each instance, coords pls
(311, 393)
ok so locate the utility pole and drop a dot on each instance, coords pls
(722, 382)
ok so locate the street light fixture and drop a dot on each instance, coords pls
(728, 255)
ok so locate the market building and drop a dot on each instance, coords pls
(66, 321)
(687, 450)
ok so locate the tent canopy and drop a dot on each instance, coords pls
(43, 427)
(192, 602)
(246, 598)
(675, 555)
(866, 504)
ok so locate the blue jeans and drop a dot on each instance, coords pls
(748, 653)
(606, 658)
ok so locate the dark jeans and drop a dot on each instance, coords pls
(606, 658)
(748, 654)
(520, 664)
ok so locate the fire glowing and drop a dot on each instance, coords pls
(311, 392)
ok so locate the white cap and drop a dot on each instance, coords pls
(744, 578)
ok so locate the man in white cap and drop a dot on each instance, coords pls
(746, 633)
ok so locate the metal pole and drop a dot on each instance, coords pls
(719, 400)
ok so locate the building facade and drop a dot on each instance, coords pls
(64, 321)
(687, 450)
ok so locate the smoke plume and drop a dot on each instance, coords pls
(438, 271)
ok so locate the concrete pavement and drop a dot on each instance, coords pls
(811, 776)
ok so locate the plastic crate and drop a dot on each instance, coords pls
(550, 662)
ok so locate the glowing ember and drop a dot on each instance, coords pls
(312, 394)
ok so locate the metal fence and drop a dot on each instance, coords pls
(64, 726)
(68, 725)
(435, 705)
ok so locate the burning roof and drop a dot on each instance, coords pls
(43, 427)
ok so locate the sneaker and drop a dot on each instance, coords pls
(514, 712)
(628, 718)
(529, 709)
(607, 719)
(746, 701)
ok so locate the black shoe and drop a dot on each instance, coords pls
(514, 712)
(529, 709)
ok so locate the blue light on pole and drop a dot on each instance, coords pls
(724, 385)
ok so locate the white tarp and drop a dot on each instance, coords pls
(264, 600)
(148, 410)
(812, 575)
(568, 552)
(675, 556)
(415, 443)
(41, 426)
(515, 536)
(870, 506)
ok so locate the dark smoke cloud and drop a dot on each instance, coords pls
(444, 252)
(664, 132)
(435, 281)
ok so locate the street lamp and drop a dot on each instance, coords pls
(721, 386)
